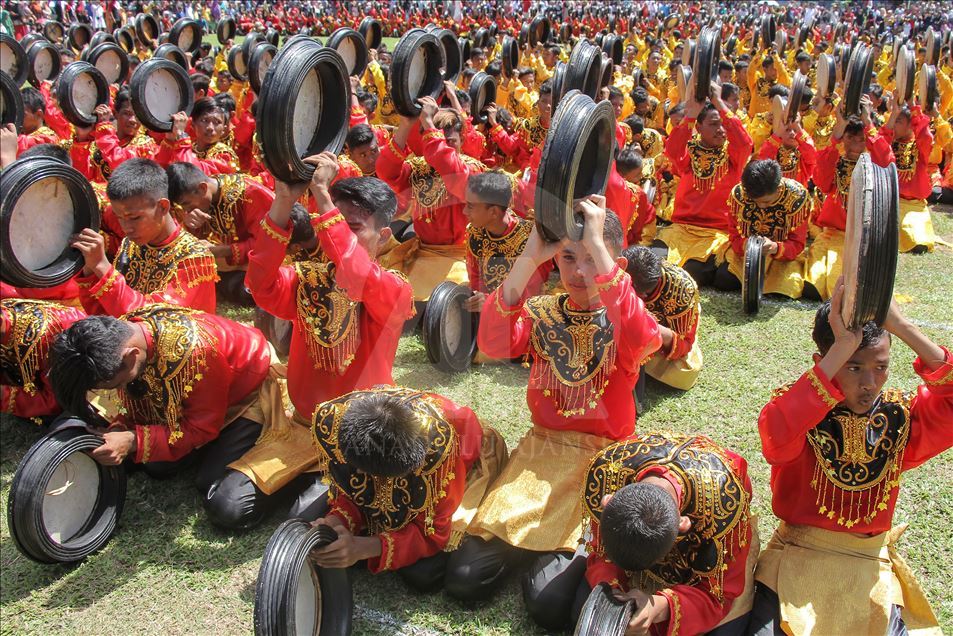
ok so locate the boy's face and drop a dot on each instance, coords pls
(210, 128)
(370, 237)
(199, 199)
(529, 81)
(616, 106)
(577, 272)
(864, 375)
(767, 200)
(141, 218)
(711, 130)
(478, 213)
(127, 125)
(366, 156)
(452, 135)
(854, 145)
(771, 73)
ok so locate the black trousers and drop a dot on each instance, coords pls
(766, 615)
(477, 568)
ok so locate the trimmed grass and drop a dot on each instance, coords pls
(168, 571)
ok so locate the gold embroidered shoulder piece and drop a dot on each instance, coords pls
(33, 324)
(843, 173)
(329, 319)
(231, 191)
(652, 143)
(709, 165)
(390, 503)
(575, 351)
(179, 360)
(714, 497)
(859, 459)
(495, 255)
(150, 269)
(675, 303)
(427, 184)
(906, 153)
(532, 131)
(792, 208)
(790, 161)
(221, 151)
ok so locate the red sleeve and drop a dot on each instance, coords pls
(879, 148)
(504, 331)
(931, 414)
(682, 343)
(448, 163)
(255, 207)
(394, 171)
(192, 286)
(676, 147)
(344, 509)
(509, 144)
(56, 120)
(636, 331)
(25, 142)
(601, 570)
(769, 149)
(108, 143)
(473, 271)
(203, 414)
(921, 131)
(386, 297)
(244, 129)
(358, 117)
(18, 402)
(790, 248)
(181, 150)
(825, 174)
(740, 145)
(734, 235)
(805, 146)
(272, 284)
(786, 419)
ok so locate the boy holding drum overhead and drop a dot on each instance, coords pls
(208, 151)
(838, 444)
(586, 347)
(158, 261)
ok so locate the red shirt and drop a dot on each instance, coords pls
(113, 152)
(400, 548)
(219, 159)
(833, 173)
(608, 410)
(788, 420)
(695, 202)
(247, 214)
(807, 157)
(385, 297)
(913, 170)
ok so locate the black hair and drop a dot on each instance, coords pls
(615, 92)
(729, 90)
(767, 61)
(725, 65)
(876, 90)
(761, 177)
(524, 70)
(33, 99)
(358, 136)
(463, 97)
(469, 72)
(204, 106)
(370, 194)
(50, 151)
(778, 89)
(368, 100)
(741, 65)
(200, 82)
(628, 160)
(636, 124)
(612, 233)
(504, 118)
(491, 188)
(644, 268)
(85, 356)
(640, 95)
(855, 126)
(802, 57)
(674, 63)
(184, 178)
(123, 97)
(226, 102)
(546, 88)
(381, 435)
(301, 229)
(138, 178)
(475, 51)
(554, 49)
(823, 335)
(639, 526)
(707, 110)
(494, 69)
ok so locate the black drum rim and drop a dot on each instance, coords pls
(606, 71)
(104, 48)
(25, 509)
(286, 553)
(12, 102)
(449, 296)
(257, 55)
(452, 53)
(173, 53)
(64, 92)
(373, 32)
(796, 96)
(857, 80)
(482, 94)
(927, 89)
(465, 46)
(126, 38)
(933, 45)
(137, 87)
(99, 37)
(705, 61)
(235, 55)
(510, 57)
(147, 29)
(180, 27)
(225, 30)
(613, 46)
(432, 85)
(248, 45)
(582, 133)
(293, 64)
(769, 29)
(19, 57)
(905, 71)
(272, 36)
(584, 70)
(752, 279)
(344, 34)
(73, 37)
(604, 615)
(33, 52)
(50, 29)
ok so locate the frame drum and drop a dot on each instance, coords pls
(603, 615)
(449, 330)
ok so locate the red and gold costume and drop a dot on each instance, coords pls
(42, 135)
(675, 304)
(700, 218)
(490, 258)
(835, 477)
(585, 363)
(433, 186)
(796, 163)
(108, 151)
(524, 148)
(219, 158)
(785, 223)
(180, 271)
(823, 264)
(198, 366)
(705, 579)
(417, 515)
(27, 330)
(913, 172)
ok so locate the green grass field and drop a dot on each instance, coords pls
(168, 571)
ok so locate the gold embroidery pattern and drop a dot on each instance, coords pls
(146, 443)
(272, 233)
(906, 153)
(390, 503)
(532, 131)
(790, 161)
(675, 619)
(777, 221)
(843, 172)
(859, 459)
(709, 165)
(387, 543)
(427, 184)
(495, 255)
(822, 391)
(220, 151)
(34, 323)
(763, 85)
(675, 303)
(150, 269)
(106, 285)
(221, 224)
(178, 362)
(323, 225)
(781, 390)
(946, 378)
(714, 497)
(329, 318)
(576, 352)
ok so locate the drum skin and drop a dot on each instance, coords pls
(905, 71)
(225, 30)
(139, 89)
(33, 53)
(373, 32)
(449, 330)
(13, 59)
(603, 615)
(343, 36)
(79, 35)
(31, 507)
(12, 112)
(237, 65)
(282, 567)
(147, 29)
(577, 155)
(179, 33)
(55, 262)
(171, 52)
(104, 49)
(54, 31)
(403, 71)
(65, 92)
(752, 283)
(826, 74)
